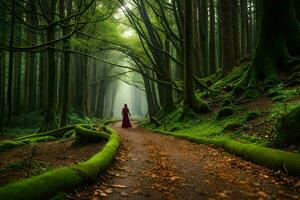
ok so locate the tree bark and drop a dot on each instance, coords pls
(235, 29)
(279, 38)
(10, 65)
(203, 24)
(65, 6)
(212, 39)
(50, 121)
(227, 36)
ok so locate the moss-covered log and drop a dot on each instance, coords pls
(84, 135)
(50, 183)
(57, 133)
(273, 158)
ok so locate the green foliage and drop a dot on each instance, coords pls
(21, 164)
(7, 144)
(233, 126)
(288, 128)
(225, 112)
(203, 106)
(50, 183)
(76, 119)
(252, 115)
(232, 78)
(84, 135)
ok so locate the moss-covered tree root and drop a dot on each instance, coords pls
(84, 135)
(273, 158)
(58, 133)
(48, 184)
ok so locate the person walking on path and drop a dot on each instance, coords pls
(125, 113)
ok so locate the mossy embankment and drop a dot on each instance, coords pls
(47, 185)
(245, 127)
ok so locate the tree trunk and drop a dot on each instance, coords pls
(43, 81)
(227, 36)
(279, 38)
(66, 72)
(33, 61)
(189, 96)
(203, 23)
(10, 65)
(2, 79)
(212, 39)
(244, 25)
(50, 122)
(235, 28)
(17, 82)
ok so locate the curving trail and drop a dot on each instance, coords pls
(152, 166)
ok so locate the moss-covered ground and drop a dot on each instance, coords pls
(48, 184)
(236, 118)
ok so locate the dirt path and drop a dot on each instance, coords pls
(152, 166)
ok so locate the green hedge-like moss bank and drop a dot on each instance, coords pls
(48, 184)
(273, 158)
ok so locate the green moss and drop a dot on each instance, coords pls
(42, 139)
(231, 78)
(252, 115)
(288, 128)
(269, 157)
(84, 135)
(50, 183)
(58, 133)
(225, 112)
(251, 93)
(203, 107)
(7, 144)
(20, 164)
(232, 126)
(69, 134)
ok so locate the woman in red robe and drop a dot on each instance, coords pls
(125, 113)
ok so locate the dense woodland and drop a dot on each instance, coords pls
(61, 57)
(85, 39)
(220, 72)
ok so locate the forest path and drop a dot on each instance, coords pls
(153, 166)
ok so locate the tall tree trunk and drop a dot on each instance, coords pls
(17, 81)
(244, 27)
(10, 66)
(235, 28)
(212, 38)
(65, 6)
(33, 62)
(50, 122)
(2, 79)
(190, 100)
(203, 23)
(227, 36)
(43, 81)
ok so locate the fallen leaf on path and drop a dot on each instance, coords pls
(174, 178)
(124, 194)
(102, 194)
(135, 191)
(262, 194)
(119, 186)
(108, 191)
